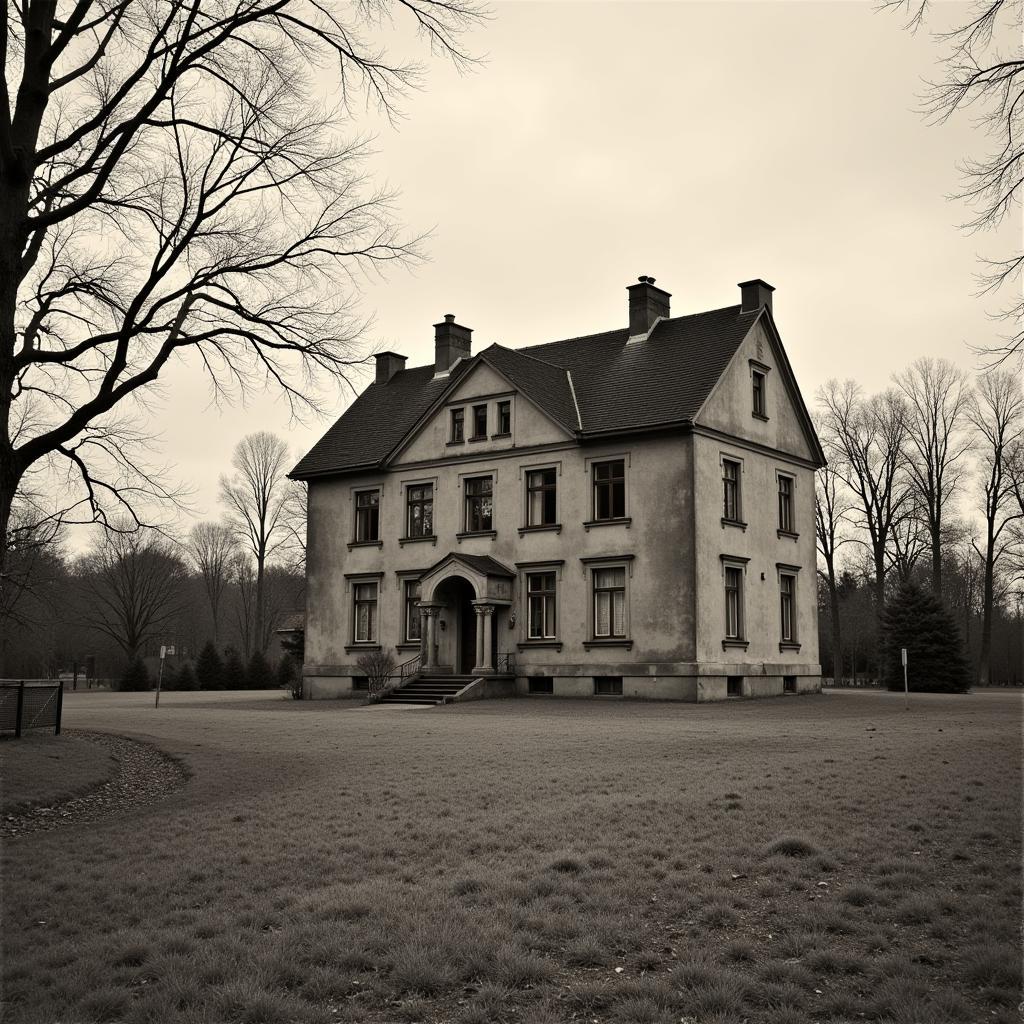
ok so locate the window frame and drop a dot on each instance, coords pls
(759, 370)
(504, 418)
(734, 564)
(596, 485)
(792, 573)
(373, 620)
(478, 434)
(541, 685)
(357, 515)
(468, 498)
(782, 529)
(596, 591)
(407, 618)
(543, 489)
(613, 685)
(736, 519)
(457, 425)
(548, 602)
(421, 503)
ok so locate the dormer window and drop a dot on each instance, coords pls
(458, 426)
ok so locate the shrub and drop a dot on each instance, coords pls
(258, 673)
(136, 677)
(792, 846)
(210, 669)
(234, 671)
(289, 677)
(916, 620)
(378, 667)
(186, 679)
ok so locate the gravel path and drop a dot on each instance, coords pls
(144, 774)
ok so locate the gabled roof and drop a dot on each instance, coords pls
(592, 385)
(481, 563)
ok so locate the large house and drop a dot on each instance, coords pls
(628, 513)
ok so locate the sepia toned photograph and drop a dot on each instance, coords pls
(511, 511)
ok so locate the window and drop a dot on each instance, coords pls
(365, 613)
(540, 684)
(540, 599)
(360, 682)
(609, 603)
(479, 504)
(479, 421)
(504, 418)
(731, 490)
(412, 611)
(787, 590)
(789, 684)
(608, 686)
(419, 503)
(609, 489)
(367, 516)
(540, 497)
(733, 603)
(458, 425)
(786, 504)
(734, 686)
(758, 381)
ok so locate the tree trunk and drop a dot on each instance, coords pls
(837, 636)
(988, 593)
(936, 560)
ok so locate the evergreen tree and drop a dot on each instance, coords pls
(210, 669)
(915, 619)
(136, 677)
(260, 676)
(187, 679)
(169, 679)
(286, 672)
(234, 671)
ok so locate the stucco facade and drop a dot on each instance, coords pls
(635, 593)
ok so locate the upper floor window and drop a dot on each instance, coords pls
(540, 593)
(541, 497)
(758, 385)
(419, 517)
(364, 618)
(733, 602)
(458, 425)
(479, 421)
(731, 490)
(479, 492)
(787, 619)
(786, 504)
(412, 610)
(504, 418)
(367, 516)
(609, 588)
(609, 489)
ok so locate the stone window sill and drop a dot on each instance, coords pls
(429, 539)
(618, 641)
(734, 522)
(365, 544)
(740, 644)
(451, 444)
(620, 521)
(543, 528)
(788, 533)
(788, 645)
(498, 437)
(477, 438)
(469, 534)
(551, 645)
(352, 648)
(759, 416)
(408, 645)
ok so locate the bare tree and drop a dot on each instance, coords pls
(998, 417)
(831, 509)
(255, 497)
(864, 437)
(212, 547)
(134, 580)
(173, 186)
(937, 400)
(982, 72)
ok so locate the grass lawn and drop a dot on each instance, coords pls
(41, 768)
(823, 858)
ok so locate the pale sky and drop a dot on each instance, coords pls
(700, 143)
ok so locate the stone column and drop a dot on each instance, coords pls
(484, 644)
(428, 655)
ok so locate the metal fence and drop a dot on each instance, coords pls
(30, 704)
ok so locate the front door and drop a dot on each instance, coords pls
(467, 633)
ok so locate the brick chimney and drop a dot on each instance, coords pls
(388, 364)
(755, 294)
(647, 305)
(451, 343)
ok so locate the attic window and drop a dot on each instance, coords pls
(759, 390)
(458, 426)
(479, 421)
(504, 419)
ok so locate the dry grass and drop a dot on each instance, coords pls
(519, 861)
(40, 768)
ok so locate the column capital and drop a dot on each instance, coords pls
(483, 607)
(429, 608)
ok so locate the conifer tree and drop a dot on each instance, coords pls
(186, 679)
(234, 671)
(916, 620)
(260, 675)
(210, 669)
(136, 676)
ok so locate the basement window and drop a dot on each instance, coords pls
(734, 686)
(360, 682)
(541, 684)
(608, 686)
(789, 684)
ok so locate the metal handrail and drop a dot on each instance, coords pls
(505, 663)
(409, 668)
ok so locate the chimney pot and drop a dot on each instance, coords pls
(647, 305)
(452, 342)
(755, 294)
(388, 364)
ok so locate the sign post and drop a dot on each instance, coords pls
(906, 688)
(160, 674)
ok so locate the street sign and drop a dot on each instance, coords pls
(163, 652)
(906, 688)
(903, 656)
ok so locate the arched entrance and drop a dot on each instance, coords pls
(457, 623)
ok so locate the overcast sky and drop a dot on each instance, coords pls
(700, 143)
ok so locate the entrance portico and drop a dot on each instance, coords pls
(462, 597)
